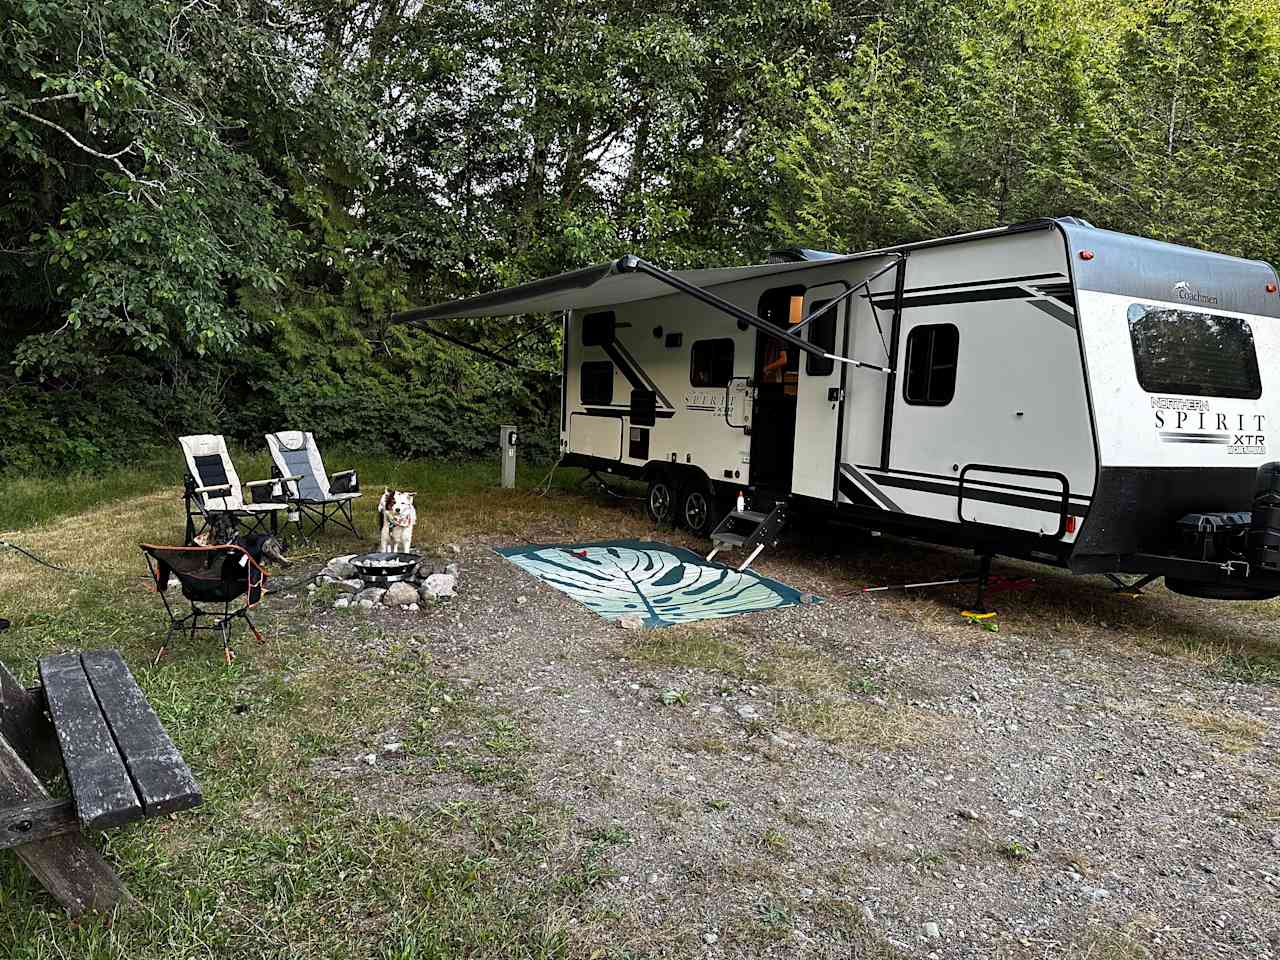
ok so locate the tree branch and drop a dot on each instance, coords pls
(113, 157)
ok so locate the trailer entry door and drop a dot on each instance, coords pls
(820, 398)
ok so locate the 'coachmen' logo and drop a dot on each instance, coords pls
(1183, 291)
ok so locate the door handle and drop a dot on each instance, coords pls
(835, 394)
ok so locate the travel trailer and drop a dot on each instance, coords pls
(1048, 391)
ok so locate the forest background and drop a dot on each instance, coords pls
(212, 208)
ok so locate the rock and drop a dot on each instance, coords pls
(709, 938)
(747, 712)
(399, 593)
(967, 813)
(342, 602)
(453, 549)
(339, 570)
(370, 595)
(1275, 840)
(425, 568)
(370, 758)
(438, 585)
(1097, 894)
(412, 606)
(364, 604)
(324, 580)
(522, 600)
(451, 568)
(867, 915)
(931, 931)
(395, 747)
(631, 622)
(349, 586)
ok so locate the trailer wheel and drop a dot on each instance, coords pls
(661, 501)
(699, 511)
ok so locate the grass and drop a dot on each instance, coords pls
(742, 657)
(299, 850)
(302, 851)
(31, 500)
(1228, 730)
(857, 724)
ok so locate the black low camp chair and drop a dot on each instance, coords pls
(225, 576)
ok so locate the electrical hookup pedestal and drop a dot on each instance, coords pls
(508, 439)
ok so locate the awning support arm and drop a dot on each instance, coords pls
(458, 341)
(633, 264)
(848, 294)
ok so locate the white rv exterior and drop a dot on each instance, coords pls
(1018, 390)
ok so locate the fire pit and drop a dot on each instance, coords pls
(380, 569)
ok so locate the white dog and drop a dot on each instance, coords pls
(398, 518)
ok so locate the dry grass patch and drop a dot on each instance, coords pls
(707, 649)
(691, 647)
(1228, 730)
(854, 723)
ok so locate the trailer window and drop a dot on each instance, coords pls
(711, 363)
(822, 334)
(932, 351)
(1189, 352)
(596, 382)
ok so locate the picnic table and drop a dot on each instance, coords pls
(90, 723)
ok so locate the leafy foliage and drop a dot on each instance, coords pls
(214, 207)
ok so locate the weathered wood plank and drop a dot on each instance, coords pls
(161, 777)
(100, 784)
(24, 724)
(29, 822)
(68, 866)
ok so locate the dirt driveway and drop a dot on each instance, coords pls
(873, 776)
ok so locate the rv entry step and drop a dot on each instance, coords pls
(749, 530)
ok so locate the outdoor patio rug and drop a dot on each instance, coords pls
(660, 583)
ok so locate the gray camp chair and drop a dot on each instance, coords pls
(319, 495)
(213, 488)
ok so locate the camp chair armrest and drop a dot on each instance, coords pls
(214, 488)
(296, 476)
(263, 483)
(341, 473)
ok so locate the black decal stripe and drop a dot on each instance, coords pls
(854, 494)
(973, 493)
(1058, 313)
(620, 412)
(960, 296)
(877, 474)
(869, 487)
(634, 373)
(995, 282)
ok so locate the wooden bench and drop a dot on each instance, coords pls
(117, 760)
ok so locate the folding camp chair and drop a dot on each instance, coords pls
(213, 487)
(225, 576)
(319, 495)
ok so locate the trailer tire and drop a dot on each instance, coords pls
(660, 504)
(699, 509)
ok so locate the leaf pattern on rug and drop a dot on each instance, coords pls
(662, 584)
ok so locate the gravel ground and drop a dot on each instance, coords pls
(875, 777)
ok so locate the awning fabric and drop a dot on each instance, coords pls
(605, 284)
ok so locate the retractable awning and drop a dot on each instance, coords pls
(629, 279)
(607, 284)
